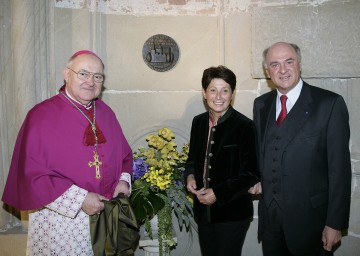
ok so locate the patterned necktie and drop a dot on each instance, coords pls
(283, 112)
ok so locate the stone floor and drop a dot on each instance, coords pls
(13, 243)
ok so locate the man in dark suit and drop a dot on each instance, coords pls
(303, 145)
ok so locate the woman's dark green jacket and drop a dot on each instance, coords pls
(231, 167)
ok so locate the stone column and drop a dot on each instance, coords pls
(26, 76)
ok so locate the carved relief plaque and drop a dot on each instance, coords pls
(160, 52)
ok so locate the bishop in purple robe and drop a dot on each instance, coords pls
(70, 154)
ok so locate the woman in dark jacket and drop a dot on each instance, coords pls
(221, 167)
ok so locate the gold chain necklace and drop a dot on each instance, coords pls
(96, 161)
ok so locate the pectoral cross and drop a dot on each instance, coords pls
(97, 164)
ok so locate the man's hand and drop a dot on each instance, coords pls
(206, 196)
(191, 184)
(122, 187)
(256, 189)
(330, 237)
(92, 203)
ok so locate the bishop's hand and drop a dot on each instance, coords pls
(123, 188)
(93, 203)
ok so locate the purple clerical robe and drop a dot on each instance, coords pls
(50, 155)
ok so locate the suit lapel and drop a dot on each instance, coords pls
(298, 115)
(266, 113)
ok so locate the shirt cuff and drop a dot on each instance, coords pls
(126, 177)
(70, 202)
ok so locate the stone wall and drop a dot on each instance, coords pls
(208, 32)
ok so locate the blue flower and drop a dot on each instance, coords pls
(140, 167)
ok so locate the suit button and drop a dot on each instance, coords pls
(274, 192)
(208, 179)
(210, 154)
(213, 129)
(212, 142)
(209, 167)
(273, 171)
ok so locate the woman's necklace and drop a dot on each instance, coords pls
(96, 161)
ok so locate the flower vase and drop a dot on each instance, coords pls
(151, 246)
(154, 228)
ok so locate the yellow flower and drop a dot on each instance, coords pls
(160, 143)
(173, 156)
(166, 133)
(149, 153)
(155, 141)
(164, 151)
(185, 148)
(151, 138)
(158, 178)
(152, 162)
(163, 164)
(169, 147)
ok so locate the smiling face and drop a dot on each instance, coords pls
(218, 96)
(283, 66)
(87, 90)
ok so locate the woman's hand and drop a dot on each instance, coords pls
(206, 196)
(256, 189)
(191, 184)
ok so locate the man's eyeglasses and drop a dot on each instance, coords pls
(84, 75)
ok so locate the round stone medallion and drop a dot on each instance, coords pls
(160, 52)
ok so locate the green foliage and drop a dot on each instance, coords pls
(145, 202)
(158, 186)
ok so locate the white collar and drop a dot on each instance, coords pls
(292, 96)
(87, 106)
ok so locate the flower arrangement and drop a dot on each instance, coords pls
(158, 187)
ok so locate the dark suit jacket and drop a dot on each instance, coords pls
(232, 167)
(315, 165)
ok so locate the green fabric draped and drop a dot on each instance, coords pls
(115, 231)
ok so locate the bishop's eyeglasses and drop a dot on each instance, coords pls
(84, 75)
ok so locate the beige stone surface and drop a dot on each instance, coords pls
(196, 37)
(328, 35)
(237, 49)
(13, 245)
(145, 112)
